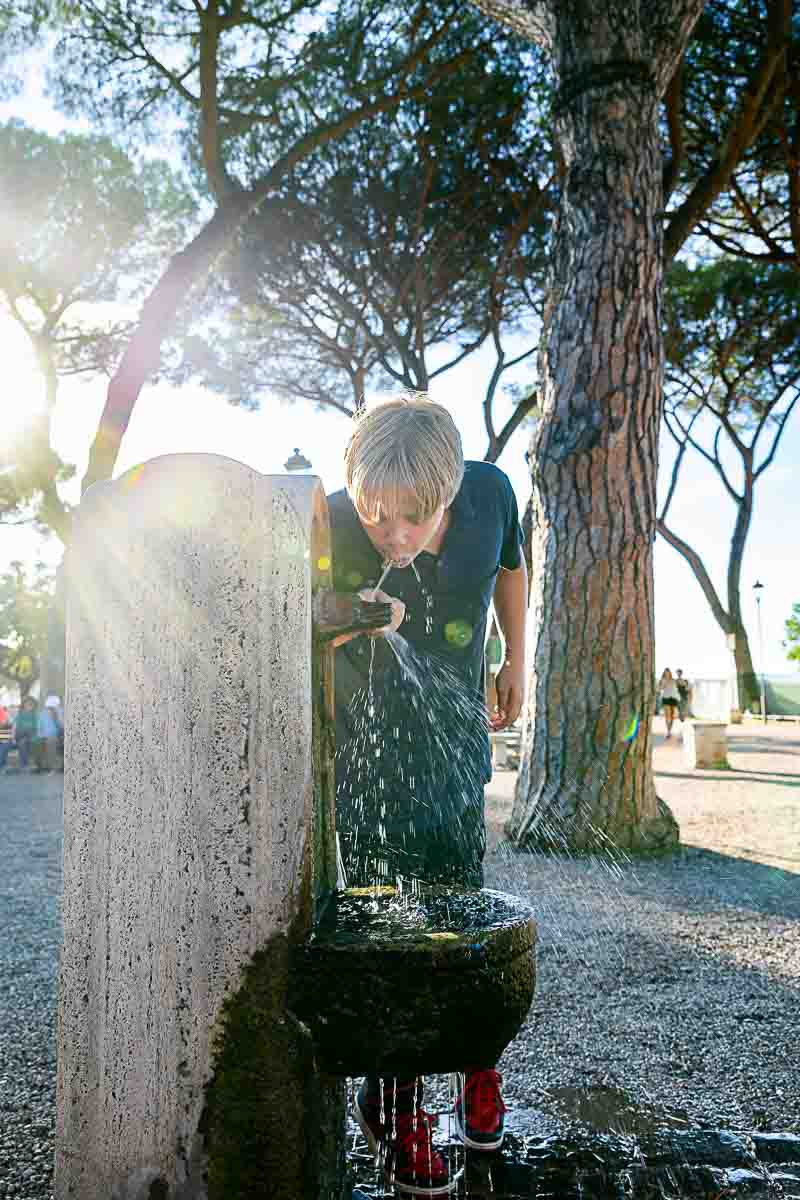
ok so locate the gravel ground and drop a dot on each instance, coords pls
(30, 885)
(668, 992)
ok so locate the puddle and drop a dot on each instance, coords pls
(612, 1110)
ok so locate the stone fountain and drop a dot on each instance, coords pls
(213, 986)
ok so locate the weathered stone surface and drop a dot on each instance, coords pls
(777, 1147)
(712, 1147)
(196, 740)
(705, 744)
(400, 985)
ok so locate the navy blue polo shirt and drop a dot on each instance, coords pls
(447, 607)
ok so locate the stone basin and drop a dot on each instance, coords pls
(405, 982)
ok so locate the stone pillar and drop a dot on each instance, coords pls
(198, 817)
(705, 744)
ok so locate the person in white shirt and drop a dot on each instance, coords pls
(670, 698)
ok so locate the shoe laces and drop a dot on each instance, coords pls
(413, 1139)
(482, 1095)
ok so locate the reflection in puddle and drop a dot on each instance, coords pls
(612, 1110)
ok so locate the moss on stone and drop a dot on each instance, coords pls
(273, 1125)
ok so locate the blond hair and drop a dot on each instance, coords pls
(403, 451)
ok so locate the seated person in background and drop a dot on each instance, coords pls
(25, 730)
(6, 735)
(48, 730)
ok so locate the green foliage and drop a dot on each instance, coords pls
(79, 221)
(82, 232)
(732, 338)
(24, 608)
(30, 472)
(20, 26)
(732, 345)
(362, 258)
(281, 71)
(756, 216)
(792, 642)
(424, 228)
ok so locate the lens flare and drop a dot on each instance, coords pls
(632, 730)
(132, 477)
(458, 632)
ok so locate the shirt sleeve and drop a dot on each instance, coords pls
(511, 550)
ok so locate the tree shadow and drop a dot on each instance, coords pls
(776, 778)
(765, 747)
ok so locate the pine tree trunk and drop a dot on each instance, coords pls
(53, 672)
(586, 768)
(749, 691)
(747, 680)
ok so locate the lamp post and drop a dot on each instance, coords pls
(758, 589)
(297, 462)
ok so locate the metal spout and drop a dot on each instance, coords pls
(336, 613)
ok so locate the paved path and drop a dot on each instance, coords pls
(751, 811)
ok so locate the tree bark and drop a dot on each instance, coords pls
(143, 353)
(747, 684)
(730, 619)
(585, 774)
(746, 678)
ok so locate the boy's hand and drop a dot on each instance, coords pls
(510, 686)
(398, 611)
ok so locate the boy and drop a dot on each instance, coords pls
(451, 531)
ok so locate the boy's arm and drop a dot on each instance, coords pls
(511, 606)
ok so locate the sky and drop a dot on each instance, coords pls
(167, 420)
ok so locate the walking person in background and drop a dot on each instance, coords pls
(25, 730)
(670, 698)
(684, 694)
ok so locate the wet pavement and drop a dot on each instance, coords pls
(590, 1165)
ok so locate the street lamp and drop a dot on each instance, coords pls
(297, 462)
(758, 589)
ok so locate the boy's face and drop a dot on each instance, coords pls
(401, 537)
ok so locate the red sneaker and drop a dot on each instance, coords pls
(480, 1121)
(377, 1105)
(412, 1165)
